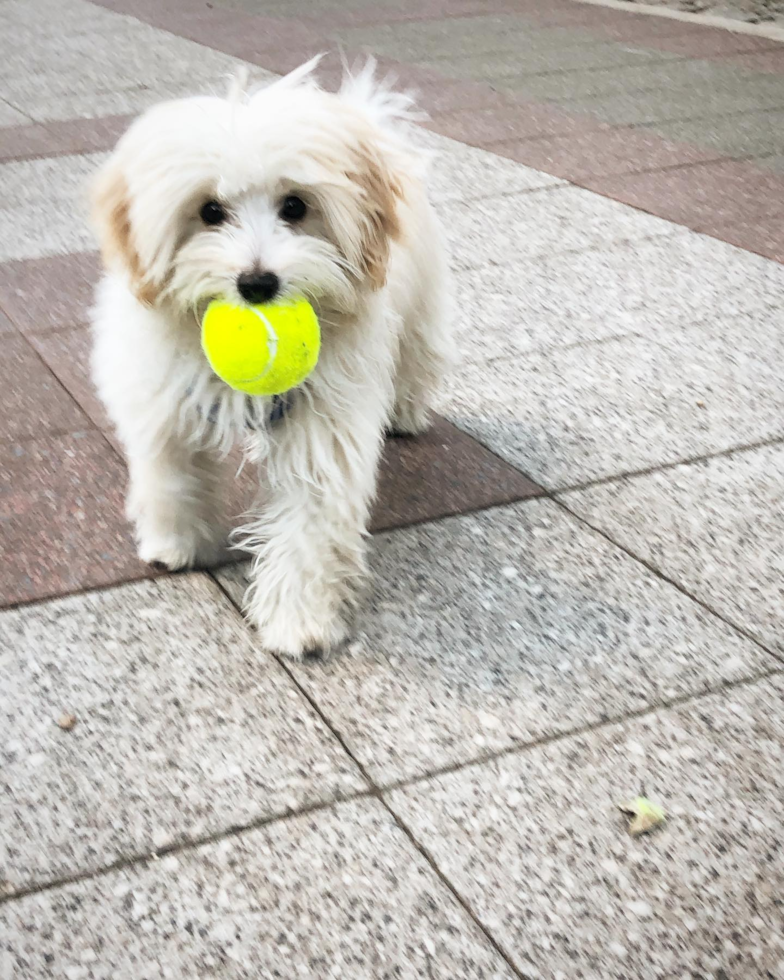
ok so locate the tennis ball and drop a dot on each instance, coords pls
(266, 349)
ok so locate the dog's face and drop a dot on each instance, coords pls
(292, 190)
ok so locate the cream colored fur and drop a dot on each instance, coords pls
(369, 256)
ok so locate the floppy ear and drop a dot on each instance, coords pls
(381, 194)
(111, 214)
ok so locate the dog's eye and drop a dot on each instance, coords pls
(213, 213)
(293, 208)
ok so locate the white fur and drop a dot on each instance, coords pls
(383, 346)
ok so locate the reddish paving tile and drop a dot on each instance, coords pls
(32, 401)
(440, 473)
(6, 325)
(67, 354)
(61, 518)
(57, 138)
(613, 151)
(49, 293)
(520, 121)
(764, 235)
(707, 195)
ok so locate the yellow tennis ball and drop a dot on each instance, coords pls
(266, 349)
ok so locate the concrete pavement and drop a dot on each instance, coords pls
(577, 589)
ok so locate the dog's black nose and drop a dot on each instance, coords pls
(258, 287)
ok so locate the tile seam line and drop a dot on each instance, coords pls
(377, 793)
(664, 577)
(521, 747)
(141, 859)
(552, 495)
(664, 467)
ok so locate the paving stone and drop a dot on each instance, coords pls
(67, 354)
(67, 137)
(599, 410)
(522, 121)
(736, 134)
(764, 235)
(50, 293)
(536, 845)
(340, 893)
(715, 527)
(440, 473)
(80, 60)
(520, 64)
(183, 728)
(657, 106)
(601, 152)
(45, 208)
(645, 288)
(460, 173)
(457, 37)
(61, 518)
(670, 75)
(11, 117)
(503, 229)
(503, 627)
(703, 196)
(32, 401)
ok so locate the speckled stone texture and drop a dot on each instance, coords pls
(458, 172)
(561, 300)
(184, 729)
(61, 517)
(502, 627)
(537, 846)
(51, 293)
(715, 527)
(588, 412)
(495, 231)
(339, 894)
(38, 406)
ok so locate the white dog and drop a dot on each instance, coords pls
(287, 190)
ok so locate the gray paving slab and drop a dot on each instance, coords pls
(461, 173)
(576, 83)
(737, 134)
(657, 106)
(537, 846)
(461, 37)
(645, 288)
(599, 410)
(77, 63)
(183, 729)
(503, 229)
(336, 894)
(716, 527)
(503, 627)
(774, 162)
(12, 117)
(45, 206)
(492, 66)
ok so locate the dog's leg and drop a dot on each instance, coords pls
(309, 542)
(423, 356)
(173, 502)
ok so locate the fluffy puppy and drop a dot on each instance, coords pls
(286, 190)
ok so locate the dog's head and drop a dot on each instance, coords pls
(286, 190)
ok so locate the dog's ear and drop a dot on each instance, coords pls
(382, 193)
(111, 214)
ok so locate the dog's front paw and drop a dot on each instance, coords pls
(295, 633)
(409, 420)
(174, 552)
